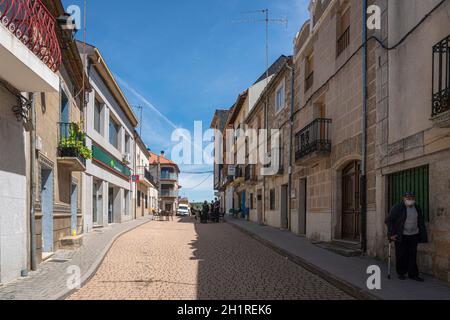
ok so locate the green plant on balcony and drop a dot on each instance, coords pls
(74, 139)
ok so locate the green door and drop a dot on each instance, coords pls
(415, 180)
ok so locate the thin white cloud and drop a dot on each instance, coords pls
(145, 101)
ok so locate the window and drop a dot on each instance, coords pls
(251, 201)
(414, 180)
(113, 133)
(138, 198)
(146, 202)
(127, 202)
(98, 116)
(441, 77)
(280, 98)
(309, 72)
(272, 199)
(343, 36)
(127, 143)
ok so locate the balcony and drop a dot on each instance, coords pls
(169, 193)
(29, 47)
(169, 176)
(441, 84)
(313, 142)
(148, 176)
(250, 173)
(72, 150)
(145, 177)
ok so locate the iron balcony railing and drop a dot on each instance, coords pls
(441, 77)
(31, 23)
(239, 171)
(169, 176)
(343, 42)
(315, 137)
(250, 172)
(168, 193)
(70, 141)
(149, 176)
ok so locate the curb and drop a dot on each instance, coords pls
(343, 285)
(96, 264)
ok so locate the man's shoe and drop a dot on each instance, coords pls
(401, 277)
(418, 279)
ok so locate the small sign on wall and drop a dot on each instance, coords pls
(294, 194)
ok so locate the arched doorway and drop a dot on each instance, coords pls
(351, 209)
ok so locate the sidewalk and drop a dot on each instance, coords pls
(49, 281)
(348, 274)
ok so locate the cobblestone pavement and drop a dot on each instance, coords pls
(49, 282)
(188, 261)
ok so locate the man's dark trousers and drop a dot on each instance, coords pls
(406, 253)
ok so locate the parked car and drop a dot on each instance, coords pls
(183, 210)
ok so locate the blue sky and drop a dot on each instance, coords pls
(183, 59)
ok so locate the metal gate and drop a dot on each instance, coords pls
(415, 180)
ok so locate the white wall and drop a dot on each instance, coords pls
(110, 107)
(13, 192)
(410, 66)
(255, 91)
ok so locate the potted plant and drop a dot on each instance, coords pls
(73, 144)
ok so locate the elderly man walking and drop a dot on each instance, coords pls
(406, 227)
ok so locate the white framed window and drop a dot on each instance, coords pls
(98, 111)
(280, 97)
(114, 129)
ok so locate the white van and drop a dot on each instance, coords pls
(183, 210)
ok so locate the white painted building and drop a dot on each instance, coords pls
(145, 188)
(110, 124)
(21, 72)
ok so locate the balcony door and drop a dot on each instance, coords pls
(351, 209)
(64, 117)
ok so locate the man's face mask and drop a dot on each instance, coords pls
(410, 202)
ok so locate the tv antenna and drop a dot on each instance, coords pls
(267, 20)
(140, 108)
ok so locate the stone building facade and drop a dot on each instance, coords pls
(59, 166)
(268, 191)
(412, 127)
(328, 127)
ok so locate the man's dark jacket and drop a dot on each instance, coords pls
(396, 223)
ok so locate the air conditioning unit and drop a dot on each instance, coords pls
(127, 158)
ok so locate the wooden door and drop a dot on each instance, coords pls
(351, 209)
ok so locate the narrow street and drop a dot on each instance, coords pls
(183, 260)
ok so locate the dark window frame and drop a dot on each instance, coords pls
(272, 199)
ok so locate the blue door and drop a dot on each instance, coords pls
(47, 210)
(74, 208)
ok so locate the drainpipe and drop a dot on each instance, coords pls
(290, 145)
(33, 262)
(364, 133)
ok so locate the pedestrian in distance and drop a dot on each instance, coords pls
(406, 228)
(205, 212)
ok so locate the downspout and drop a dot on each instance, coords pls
(33, 261)
(364, 134)
(290, 145)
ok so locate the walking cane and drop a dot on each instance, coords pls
(389, 259)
